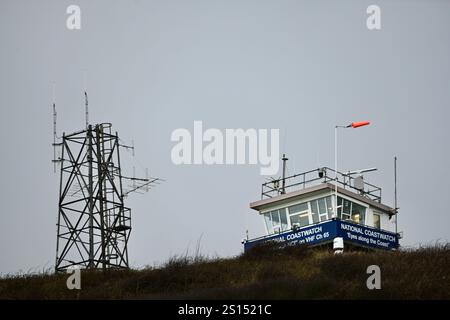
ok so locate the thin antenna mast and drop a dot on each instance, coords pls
(395, 194)
(283, 181)
(86, 102)
(55, 137)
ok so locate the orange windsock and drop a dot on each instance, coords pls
(360, 124)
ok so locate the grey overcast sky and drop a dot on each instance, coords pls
(155, 66)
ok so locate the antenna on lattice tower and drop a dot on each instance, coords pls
(86, 104)
(55, 136)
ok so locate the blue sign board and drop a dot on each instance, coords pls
(318, 233)
(366, 236)
(326, 231)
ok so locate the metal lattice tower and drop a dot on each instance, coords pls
(93, 226)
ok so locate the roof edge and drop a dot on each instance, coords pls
(260, 204)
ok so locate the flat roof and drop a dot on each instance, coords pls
(288, 197)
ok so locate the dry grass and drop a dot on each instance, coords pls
(262, 273)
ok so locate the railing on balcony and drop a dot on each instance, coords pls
(320, 175)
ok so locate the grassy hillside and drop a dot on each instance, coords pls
(263, 273)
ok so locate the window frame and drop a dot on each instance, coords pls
(375, 213)
(351, 200)
(329, 200)
(300, 214)
(275, 228)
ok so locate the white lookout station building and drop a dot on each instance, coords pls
(302, 209)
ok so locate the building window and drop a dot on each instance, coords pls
(358, 213)
(275, 218)
(322, 205)
(302, 207)
(283, 219)
(267, 220)
(324, 208)
(330, 207)
(377, 221)
(299, 215)
(276, 221)
(300, 220)
(321, 209)
(348, 210)
(314, 211)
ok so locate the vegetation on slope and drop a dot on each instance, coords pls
(263, 273)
